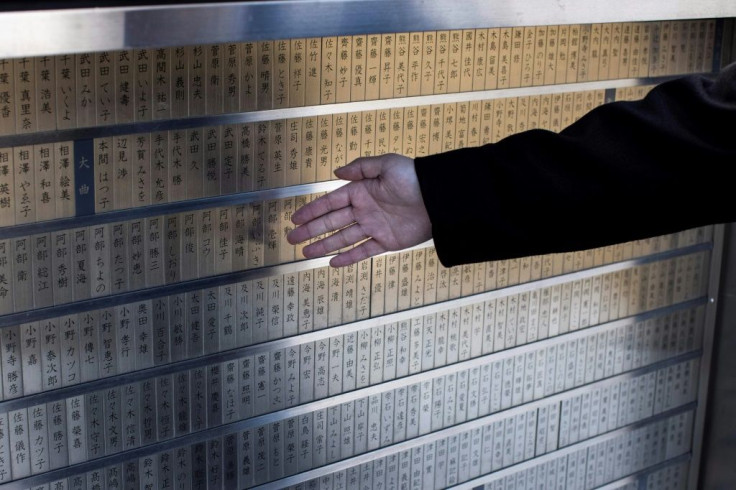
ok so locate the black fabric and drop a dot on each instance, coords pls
(627, 170)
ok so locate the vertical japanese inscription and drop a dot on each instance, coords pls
(7, 97)
(46, 92)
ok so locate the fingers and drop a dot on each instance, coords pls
(333, 201)
(343, 238)
(325, 224)
(369, 248)
(361, 168)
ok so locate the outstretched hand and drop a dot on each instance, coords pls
(382, 207)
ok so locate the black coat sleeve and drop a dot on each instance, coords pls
(626, 170)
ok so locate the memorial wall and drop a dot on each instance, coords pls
(157, 330)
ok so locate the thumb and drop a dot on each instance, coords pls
(361, 168)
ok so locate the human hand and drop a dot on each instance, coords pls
(382, 205)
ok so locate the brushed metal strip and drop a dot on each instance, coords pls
(281, 344)
(419, 441)
(168, 208)
(639, 476)
(714, 280)
(318, 110)
(210, 282)
(220, 431)
(49, 32)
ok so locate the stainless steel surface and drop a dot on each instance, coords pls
(168, 208)
(316, 110)
(708, 341)
(636, 479)
(150, 293)
(719, 435)
(80, 30)
(315, 407)
(479, 422)
(276, 345)
(639, 477)
(75, 31)
(210, 282)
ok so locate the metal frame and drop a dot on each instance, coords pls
(638, 477)
(223, 279)
(275, 345)
(122, 215)
(379, 388)
(320, 110)
(81, 30)
(709, 325)
(197, 437)
(479, 422)
(35, 33)
(260, 116)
